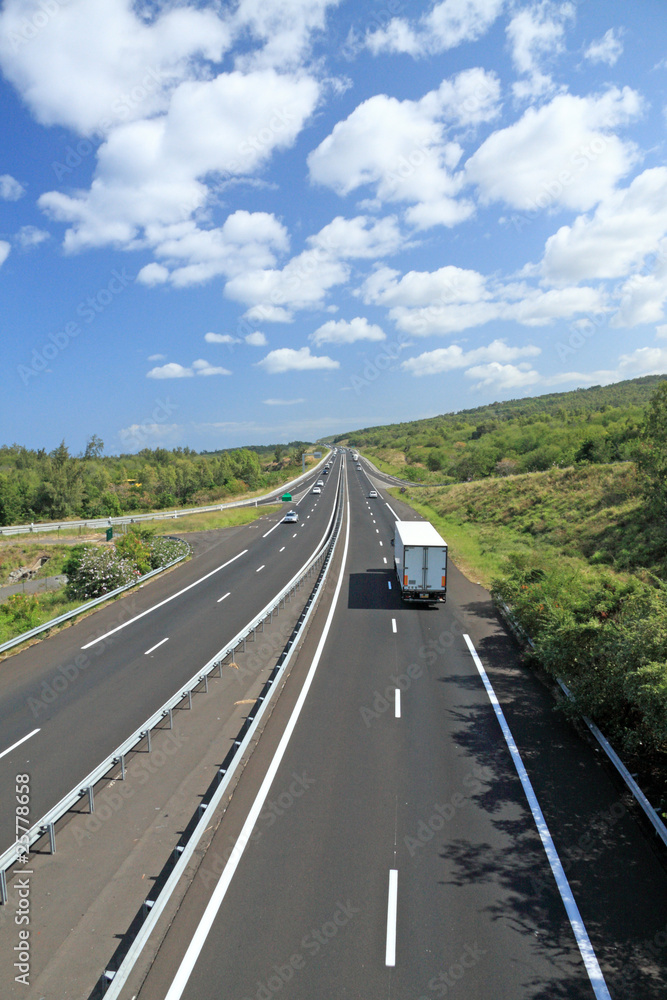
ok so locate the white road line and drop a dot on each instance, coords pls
(377, 530)
(272, 529)
(201, 933)
(392, 907)
(282, 550)
(294, 535)
(388, 581)
(380, 543)
(385, 558)
(166, 601)
(397, 704)
(160, 643)
(260, 568)
(394, 513)
(223, 597)
(393, 624)
(571, 908)
(18, 743)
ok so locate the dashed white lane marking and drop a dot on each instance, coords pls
(223, 597)
(18, 743)
(166, 601)
(282, 550)
(384, 558)
(581, 934)
(397, 703)
(388, 581)
(380, 543)
(260, 568)
(294, 535)
(160, 643)
(392, 907)
(393, 624)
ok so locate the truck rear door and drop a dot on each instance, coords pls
(434, 572)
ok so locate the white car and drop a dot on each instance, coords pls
(291, 517)
(320, 482)
(316, 489)
(373, 494)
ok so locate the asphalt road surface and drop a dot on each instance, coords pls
(399, 857)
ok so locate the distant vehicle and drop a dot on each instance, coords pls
(420, 557)
(325, 472)
(320, 482)
(291, 517)
(316, 489)
(287, 497)
(359, 467)
(373, 494)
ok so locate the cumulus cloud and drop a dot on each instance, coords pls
(301, 284)
(10, 189)
(640, 362)
(5, 247)
(498, 376)
(256, 339)
(605, 50)
(287, 359)
(30, 236)
(447, 24)
(174, 370)
(446, 359)
(153, 274)
(627, 226)
(402, 149)
(347, 332)
(220, 338)
(535, 34)
(561, 154)
(361, 237)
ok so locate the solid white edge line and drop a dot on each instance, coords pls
(199, 937)
(393, 511)
(580, 933)
(18, 743)
(397, 703)
(166, 601)
(160, 643)
(392, 908)
(223, 597)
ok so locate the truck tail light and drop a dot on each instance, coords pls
(444, 581)
(405, 580)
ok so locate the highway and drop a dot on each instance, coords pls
(77, 695)
(399, 856)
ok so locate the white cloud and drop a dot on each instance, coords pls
(285, 28)
(447, 24)
(266, 313)
(605, 50)
(31, 236)
(402, 148)
(446, 359)
(10, 189)
(535, 34)
(174, 370)
(201, 367)
(220, 338)
(561, 154)
(360, 237)
(95, 63)
(347, 332)
(301, 284)
(642, 361)
(627, 225)
(153, 274)
(286, 359)
(4, 251)
(147, 434)
(151, 174)
(503, 376)
(256, 339)
(170, 370)
(448, 284)
(156, 357)
(282, 402)
(661, 331)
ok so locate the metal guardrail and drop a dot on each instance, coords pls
(46, 824)
(114, 978)
(632, 785)
(108, 522)
(90, 604)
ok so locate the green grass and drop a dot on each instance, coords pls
(214, 519)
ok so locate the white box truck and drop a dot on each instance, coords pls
(420, 557)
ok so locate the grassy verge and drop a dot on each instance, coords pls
(214, 519)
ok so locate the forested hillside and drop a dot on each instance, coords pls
(39, 486)
(600, 424)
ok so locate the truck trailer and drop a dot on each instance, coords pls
(420, 557)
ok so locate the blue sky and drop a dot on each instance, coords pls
(267, 220)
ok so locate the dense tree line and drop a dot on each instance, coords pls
(36, 485)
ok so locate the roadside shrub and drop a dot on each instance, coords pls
(20, 610)
(131, 546)
(164, 550)
(99, 571)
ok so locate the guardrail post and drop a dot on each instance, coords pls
(171, 719)
(189, 699)
(244, 639)
(122, 767)
(219, 668)
(3, 888)
(147, 734)
(51, 830)
(205, 683)
(91, 799)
